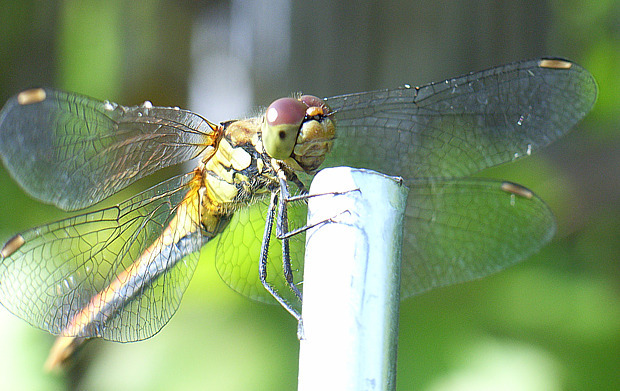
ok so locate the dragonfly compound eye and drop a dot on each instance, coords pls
(282, 122)
(316, 106)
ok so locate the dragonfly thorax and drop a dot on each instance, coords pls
(238, 171)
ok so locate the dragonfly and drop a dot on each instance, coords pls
(119, 272)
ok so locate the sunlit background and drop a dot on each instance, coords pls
(551, 323)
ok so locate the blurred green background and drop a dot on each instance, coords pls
(551, 323)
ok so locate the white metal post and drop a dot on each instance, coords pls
(351, 284)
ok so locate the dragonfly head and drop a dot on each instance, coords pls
(299, 131)
(281, 125)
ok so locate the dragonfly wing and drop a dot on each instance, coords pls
(49, 274)
(73, 151)
(462, 125)
(464, 229)
(238, 252)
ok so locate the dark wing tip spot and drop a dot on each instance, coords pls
(12, 245)
(31, 96)
(516, 189)
(554, 63)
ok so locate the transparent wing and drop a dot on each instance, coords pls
(462, 125)
(464, 229)
(238, 253)
(73, 151)
(457, 230)
(61, 266)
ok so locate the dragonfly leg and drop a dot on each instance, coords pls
(290, 175)
(280, 234)
(306, 227)
(305, 195)
(264, 252)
